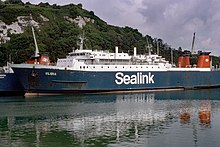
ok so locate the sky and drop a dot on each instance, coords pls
(173, 21)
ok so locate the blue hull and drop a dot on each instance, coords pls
(67, 81)
(10, 85)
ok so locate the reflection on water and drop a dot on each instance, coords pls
(181, 118)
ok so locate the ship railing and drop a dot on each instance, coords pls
(215, 68)
(53, 64)
(108, 63)
(122, 63)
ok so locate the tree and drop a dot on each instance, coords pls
(44, 4)
(14, 2)
(80, 5)
(180, 49)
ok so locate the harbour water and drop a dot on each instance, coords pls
(153, 119)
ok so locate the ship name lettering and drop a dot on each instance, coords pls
(50, 73)
(139, 78)
(2, 76)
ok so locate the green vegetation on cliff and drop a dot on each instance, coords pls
(59, 35)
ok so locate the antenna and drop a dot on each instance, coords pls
(80, 43)
(193, 42)
(149, 47)
(36, 54)
(157, 47)
(171, 54)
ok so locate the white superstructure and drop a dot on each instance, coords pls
(94, 60)
(100, 60)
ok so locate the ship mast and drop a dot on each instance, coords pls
(149, 47)
(36, 54)
(81, 41)
(158, 48)
(193, 42)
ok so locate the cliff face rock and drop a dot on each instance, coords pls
(79, 20)
(17, 27)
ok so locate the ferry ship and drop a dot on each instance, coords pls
(92, 71)
(9, 83)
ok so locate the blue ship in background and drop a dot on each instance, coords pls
(9, 83)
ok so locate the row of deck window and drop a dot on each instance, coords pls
(83, 54)
(84, 67)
